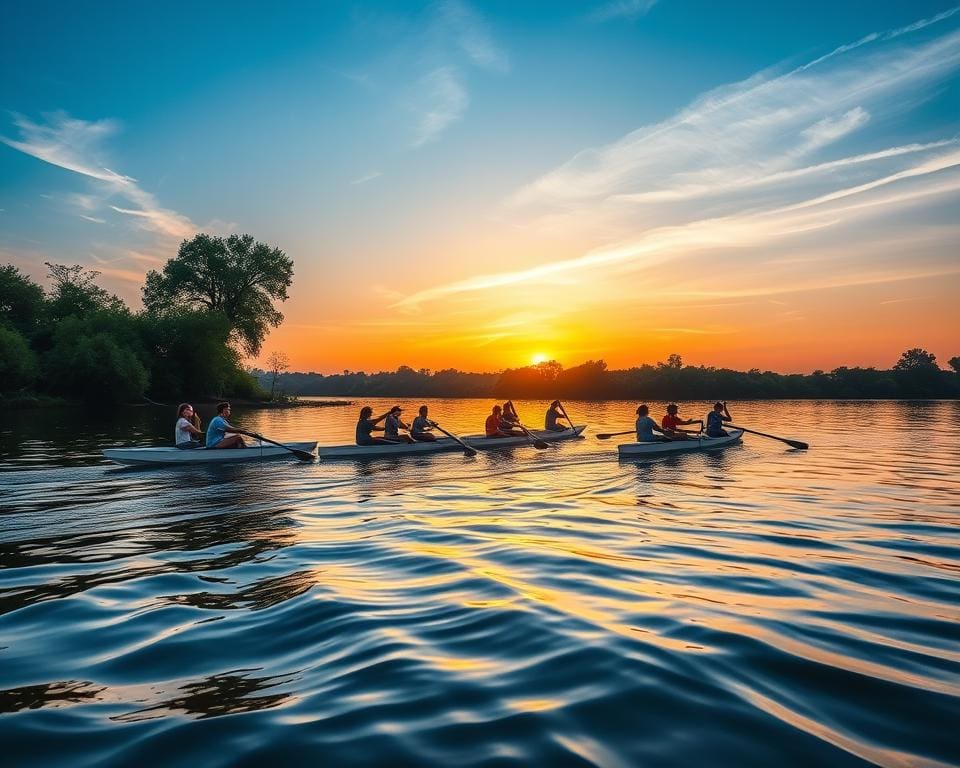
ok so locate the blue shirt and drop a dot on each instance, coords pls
(216, 431)
(421, 425)
(391, 427)
(364, 430)
(714, 423)
(645, 427)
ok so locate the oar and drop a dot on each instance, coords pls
(537, 442)
(792, 443)
(608, 435)
(302, 455)
(467, 450)
(564, 412)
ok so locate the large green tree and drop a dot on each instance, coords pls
(21, 300)
(236, 276)
(18, 364)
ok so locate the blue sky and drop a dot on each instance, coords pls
(407, 153)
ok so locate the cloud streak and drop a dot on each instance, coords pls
(760, 163)
(440, 101)
(76, 145)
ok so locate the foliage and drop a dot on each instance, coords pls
(18, 363)
(95, 368)
(592, 380)
(21, 301)
(236, 276)
(75, 293)
(277, 362)
(954, 362)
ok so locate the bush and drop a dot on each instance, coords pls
(18, 364)
(95, 369)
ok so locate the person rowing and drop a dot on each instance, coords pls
(422, 426)
(715, 419)
(219, 432)
(554, 413)
(186, 433)
(647, 426)
(510, 420)
(672, 421)
(367, 425)
(492, 426)
(392, 426)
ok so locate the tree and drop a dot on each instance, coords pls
(277, 362)
(954, 362)
(236, 276)
(18, 364)
(916, 359)
(21, 300)
(673, 361)
(74, 292)
(95, 368)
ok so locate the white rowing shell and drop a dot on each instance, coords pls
(442, 445)
(178, 457)
(679, 446)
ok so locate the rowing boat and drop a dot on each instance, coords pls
(256, 451)
(442, 445)
(695, 443)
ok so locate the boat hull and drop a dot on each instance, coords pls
(644, 450)
(169, 456)
(441, 445)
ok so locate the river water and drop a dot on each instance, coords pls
(754, 606)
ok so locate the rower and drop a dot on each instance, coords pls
(553, 414)
(393, 425)
(672, 420)
(219, 428)
(367, 425)
(510, 420)
(186, 433)
(715, 419)
(647, 426)
(420, 431)
(493, 422)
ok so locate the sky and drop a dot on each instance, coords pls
(485, 185)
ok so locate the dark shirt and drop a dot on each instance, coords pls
(551, 421)
(364, 430)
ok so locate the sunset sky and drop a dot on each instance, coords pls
(480, 186)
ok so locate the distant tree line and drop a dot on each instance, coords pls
(202, 311)
(915, 375)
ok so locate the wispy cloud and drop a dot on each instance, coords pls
(757, 164)
(368, 177)
(473, 36)
(439, 101)
(623, 9)
(76, 145)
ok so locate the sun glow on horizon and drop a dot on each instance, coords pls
(538, 358)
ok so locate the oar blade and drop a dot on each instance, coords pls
(302, 455)
(797, 444)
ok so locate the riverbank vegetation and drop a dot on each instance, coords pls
(915, 375)
(209, 305)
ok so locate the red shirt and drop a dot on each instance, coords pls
(670, 421)
(493, 425)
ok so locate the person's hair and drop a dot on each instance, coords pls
(423, 409)
(395, 409)
(366, 412)
(673, 407)
(555, 404)
(643, 409)
(497, 408)
(180, 409)
(221, 407)
(718, 406)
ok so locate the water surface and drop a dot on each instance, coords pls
(754, 606)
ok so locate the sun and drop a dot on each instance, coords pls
(538, 358)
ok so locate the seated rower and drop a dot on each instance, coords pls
(715, 420)
(367, 425)
(510, 420)
(493, 422)
(647, 426)
(420, 431)
(393, 425)
(672, 421)
(186, 433)
(218, 430)
(553, 415)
